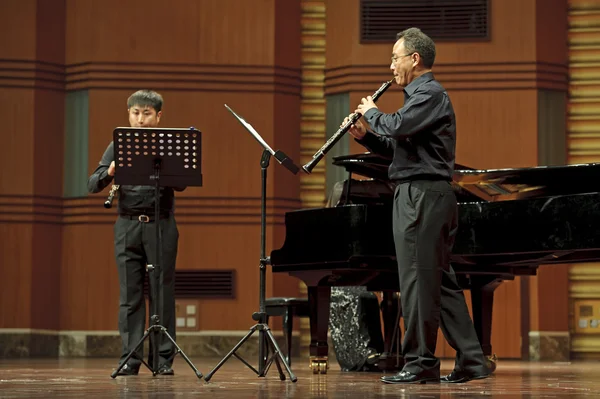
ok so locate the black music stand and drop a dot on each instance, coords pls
(265, 335)
(162, 158)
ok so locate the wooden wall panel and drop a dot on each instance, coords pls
(89, 294)
(284, 187)
(31, 76)
(509, 60)
(15, 267)
(18, 20)
(50, 31)
(494, 89)
(48, 142)
(226, 247)
(17, 152)
(548, 296)
(186, 32)
(551, 312)
(512, 32)
(46, 248)
(496, 130)
(199, 58)
(492, 131)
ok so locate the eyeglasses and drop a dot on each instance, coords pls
(396, 58)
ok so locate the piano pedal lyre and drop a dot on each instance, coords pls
(319, 364)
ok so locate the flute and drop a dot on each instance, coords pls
(341, 131)
(111, 196)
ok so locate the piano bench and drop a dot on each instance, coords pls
(288, 308)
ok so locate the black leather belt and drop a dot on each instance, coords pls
(144, 218)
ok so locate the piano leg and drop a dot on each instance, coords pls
(318, 301)
(391, 359)
(482, 301)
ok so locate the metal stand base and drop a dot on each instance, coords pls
(265, 337)
(157, 330)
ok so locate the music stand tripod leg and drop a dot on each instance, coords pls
(265, 335)
(156, 329)
(187, 359)
(208, 376)
(279, 357)
(131, 354)
(157, 280)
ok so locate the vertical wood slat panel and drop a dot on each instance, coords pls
(583, 136)
(312, 122)
(584, 86)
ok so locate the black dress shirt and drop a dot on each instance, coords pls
(133, 200)
(420, 136)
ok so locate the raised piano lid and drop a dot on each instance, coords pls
(538, 181)
(366, 164)
(495, 184)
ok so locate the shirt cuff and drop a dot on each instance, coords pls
(104, 176)
(370, 114)
(367, 139)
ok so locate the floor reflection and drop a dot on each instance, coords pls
(91, 377)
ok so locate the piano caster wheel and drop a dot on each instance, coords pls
(492, 362)
(319, 365)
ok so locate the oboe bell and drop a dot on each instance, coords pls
(341, 131)
(111, 196)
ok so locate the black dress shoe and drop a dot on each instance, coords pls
(461, 376)
(371, 362)
(404, 377)
(128, 370)
(165, 370)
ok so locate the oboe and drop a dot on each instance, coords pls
(111, 196)
(341, 131)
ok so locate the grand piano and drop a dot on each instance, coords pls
(511, 221)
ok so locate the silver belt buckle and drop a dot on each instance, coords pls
(144, 218)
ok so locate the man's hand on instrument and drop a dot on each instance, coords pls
(365, 105)
(357, 130)
(111, 169)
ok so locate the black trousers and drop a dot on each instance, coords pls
(135, 246)
(425, 224)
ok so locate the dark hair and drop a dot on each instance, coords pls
(145, 98)
(415, 41)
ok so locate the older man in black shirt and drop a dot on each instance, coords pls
(135, 243)
(421, 137)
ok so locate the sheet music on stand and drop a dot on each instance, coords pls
(161, 158)
(179, 151)
(266, 339)
(278, 155)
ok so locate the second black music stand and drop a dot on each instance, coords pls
(265, 336)
(160, 158)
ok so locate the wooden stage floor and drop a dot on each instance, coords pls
(79, 378)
